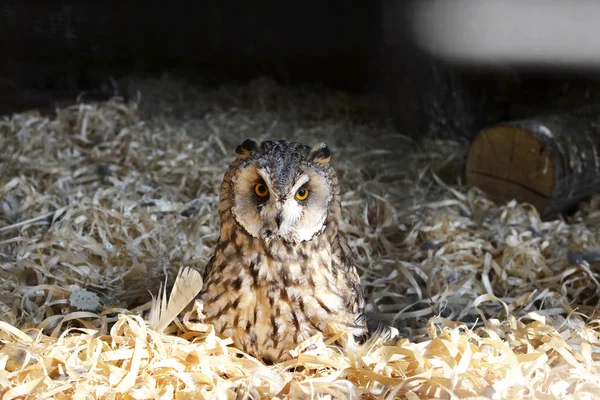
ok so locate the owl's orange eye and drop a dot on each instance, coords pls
(302, 194)
(261, 190)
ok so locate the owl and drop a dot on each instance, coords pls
(281, 271)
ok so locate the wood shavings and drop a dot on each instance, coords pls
(488, 300)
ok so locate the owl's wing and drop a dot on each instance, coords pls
(356, 301)
(207, 269)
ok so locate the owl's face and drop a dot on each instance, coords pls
(282, 190)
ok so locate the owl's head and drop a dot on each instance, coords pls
(282, 190)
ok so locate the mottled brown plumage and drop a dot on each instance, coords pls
(281, 272)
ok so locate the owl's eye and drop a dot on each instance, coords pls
(261, 190)
(302, 194)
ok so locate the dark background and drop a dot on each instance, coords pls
(55, 50)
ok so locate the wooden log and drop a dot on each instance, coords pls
(550, 161)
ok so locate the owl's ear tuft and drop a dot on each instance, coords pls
(320, 153)
(248, 147)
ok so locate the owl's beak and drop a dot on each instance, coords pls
(279, 220)
(272, 233)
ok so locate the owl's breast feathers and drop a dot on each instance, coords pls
(270, 297)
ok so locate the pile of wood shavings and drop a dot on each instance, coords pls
(98, 201)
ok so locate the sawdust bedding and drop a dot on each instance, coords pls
(101, 202)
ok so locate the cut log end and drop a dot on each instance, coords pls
(508, 162)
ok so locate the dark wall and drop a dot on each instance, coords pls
(358, 46)
(49, 45)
